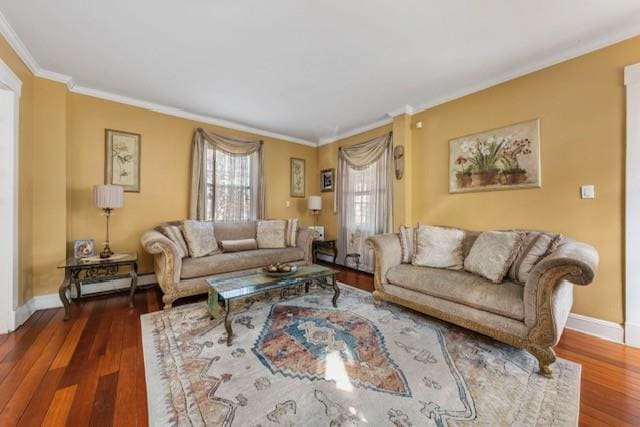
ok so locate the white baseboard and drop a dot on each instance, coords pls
(632, 334)
(604, 329)
(47, 301)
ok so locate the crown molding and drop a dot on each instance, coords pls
(14, 41)
(356, 131)
(21, 50)
(624, 32)
(407, 109)
(176, 112)
(632, 74)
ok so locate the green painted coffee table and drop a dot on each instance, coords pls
(224, 290)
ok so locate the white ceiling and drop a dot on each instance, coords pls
(308, 70)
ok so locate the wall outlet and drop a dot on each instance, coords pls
(587, 192)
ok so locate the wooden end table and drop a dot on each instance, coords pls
(326, 247)
(84, 271)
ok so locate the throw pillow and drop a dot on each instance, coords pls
(174, 234)
(291, 233)
(536, 245)
(271, 234)
(200, 238)
(406, 243)
(239, 245)
(493, 253)
(438, 247)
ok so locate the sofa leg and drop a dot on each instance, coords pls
(168, 302)
(546, 356)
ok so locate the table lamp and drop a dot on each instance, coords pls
(107, 198)
(315, 206)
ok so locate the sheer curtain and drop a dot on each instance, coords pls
(231, 183)
(227, 178)
(364, 196)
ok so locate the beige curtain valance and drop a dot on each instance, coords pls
(225, 143)
(203, 141)
(361, 155)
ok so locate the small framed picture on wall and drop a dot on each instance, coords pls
(327, 180)
(122, 159)
(297, 177)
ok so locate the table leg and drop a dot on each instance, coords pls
(227, 322)
(306, 286)
(62, 292)
(336, 291)
(134, 282)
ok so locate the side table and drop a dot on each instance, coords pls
(78, 271)
(327, 247)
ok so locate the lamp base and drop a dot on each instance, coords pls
(106, 252)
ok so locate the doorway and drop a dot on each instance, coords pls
(10, 86)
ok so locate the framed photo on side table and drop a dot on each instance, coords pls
(83, 248)
(122, 159)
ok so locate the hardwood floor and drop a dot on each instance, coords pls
(90, 369)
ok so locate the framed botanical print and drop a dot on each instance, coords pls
(506, 158)
(122, 159)
(326, 180)
(297, 177)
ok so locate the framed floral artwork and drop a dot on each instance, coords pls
(326, 180)
(506, 158)
(297, 177)
(122, 159)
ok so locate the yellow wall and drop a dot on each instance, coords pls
(580, 104)
(581, 107)
(165, 172)
(327, 159)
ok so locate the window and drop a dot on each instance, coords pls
(231, 184)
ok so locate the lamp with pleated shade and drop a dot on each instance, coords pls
(314, 203)
(107, 198)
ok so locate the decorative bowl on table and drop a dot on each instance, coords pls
(279, 270)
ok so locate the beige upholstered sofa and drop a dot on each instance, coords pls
(181, 277)
(530, 315)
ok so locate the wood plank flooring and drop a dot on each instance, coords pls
(90, 369)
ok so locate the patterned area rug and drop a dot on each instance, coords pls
(298, 361)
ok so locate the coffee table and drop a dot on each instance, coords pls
(226, 289)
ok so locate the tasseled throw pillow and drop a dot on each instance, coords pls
(200, 238)
(438, 247)
(492, 254)
(174, 233)
(536, 245)
(271, 234)
(406, 243)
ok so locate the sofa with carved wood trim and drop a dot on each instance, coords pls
(530, 315)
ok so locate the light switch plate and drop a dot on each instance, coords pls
(288, 204)
(588, 192)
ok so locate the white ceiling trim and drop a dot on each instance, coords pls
(21, 50)
(622, 33)
(176, 112)
(356, 131)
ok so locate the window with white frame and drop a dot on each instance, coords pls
(232, 181)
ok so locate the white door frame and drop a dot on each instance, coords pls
(632, 214)
(10, 88)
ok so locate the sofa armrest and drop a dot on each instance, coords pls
(304, 241)
(388, 253)
(572, 263)
(167, 260)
